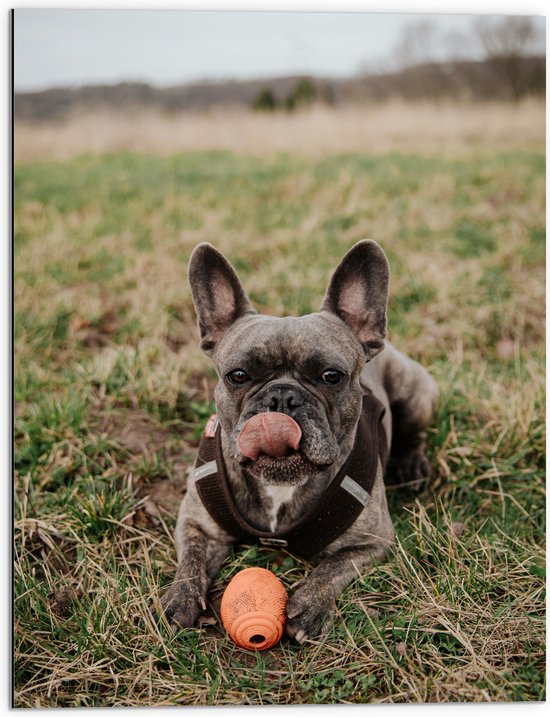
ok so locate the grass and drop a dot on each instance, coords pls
(111, 393)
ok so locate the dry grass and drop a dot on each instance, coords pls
(111, 393)
(424, 127)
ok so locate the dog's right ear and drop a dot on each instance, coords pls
(219, 296)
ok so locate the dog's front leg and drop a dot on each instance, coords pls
(186, 596)
(310, 610)
(365, 543)
(200, 557)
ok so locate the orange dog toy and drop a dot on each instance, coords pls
(253, 609)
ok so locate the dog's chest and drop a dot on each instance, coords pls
(277, 496)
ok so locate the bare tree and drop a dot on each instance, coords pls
(416, 45)
(415, 58)
(509, 44)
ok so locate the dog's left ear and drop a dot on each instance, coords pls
(358, 294)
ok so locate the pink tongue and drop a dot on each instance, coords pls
(272, 434)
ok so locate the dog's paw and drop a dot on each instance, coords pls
(415, 470)
(181, 609)
(308, 617)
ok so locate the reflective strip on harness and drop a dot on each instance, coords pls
(355, 490)
(207, 469)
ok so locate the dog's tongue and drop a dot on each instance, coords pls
(272, 434)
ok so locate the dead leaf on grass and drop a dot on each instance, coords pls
(96, 333)
(94, 339)
(176, 340)
(62, 600)
(150, 507)
(457, 529)
(506, 349)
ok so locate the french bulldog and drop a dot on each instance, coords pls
(289, 401)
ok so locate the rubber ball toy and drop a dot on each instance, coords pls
(253, 609)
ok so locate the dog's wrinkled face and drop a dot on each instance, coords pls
(307, 368)
(304, 371)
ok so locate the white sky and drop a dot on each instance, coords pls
(165, 47)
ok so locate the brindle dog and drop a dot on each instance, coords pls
(315, 369)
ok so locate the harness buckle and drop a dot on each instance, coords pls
(274, 542)
(211, 426)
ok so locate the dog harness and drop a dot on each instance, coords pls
(335, 511)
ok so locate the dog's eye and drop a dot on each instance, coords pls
(237, 377)
(332, 376)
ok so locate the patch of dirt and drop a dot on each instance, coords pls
(133, 430)
(142, 439)
(162, 495)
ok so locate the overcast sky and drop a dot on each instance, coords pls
(166, 47)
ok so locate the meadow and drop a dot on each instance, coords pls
(111, 394)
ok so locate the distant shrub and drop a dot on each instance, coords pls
(265, 101)
(303, 95)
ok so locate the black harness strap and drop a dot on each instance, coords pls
(334, 513)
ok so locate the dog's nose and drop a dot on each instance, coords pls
(282, 397)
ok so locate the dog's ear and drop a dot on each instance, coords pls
(219, 296)
(358, 294)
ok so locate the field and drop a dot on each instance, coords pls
(111, 394)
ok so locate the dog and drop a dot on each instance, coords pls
(307, 410)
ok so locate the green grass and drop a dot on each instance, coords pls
(112, 392)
